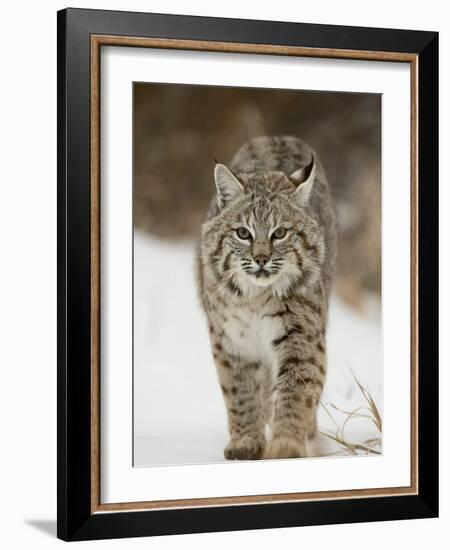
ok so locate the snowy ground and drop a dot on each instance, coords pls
(179, 415)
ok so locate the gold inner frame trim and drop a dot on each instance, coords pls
(268, 49)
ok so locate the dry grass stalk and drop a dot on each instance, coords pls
(369, 412)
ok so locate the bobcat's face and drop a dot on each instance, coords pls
(264, 237)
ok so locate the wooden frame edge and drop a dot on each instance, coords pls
(111, 40)
(95, 273)
(237, 47)
(414, 271)
(253, 499)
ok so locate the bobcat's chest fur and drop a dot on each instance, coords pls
(249, 331)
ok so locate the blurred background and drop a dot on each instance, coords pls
(178, 130)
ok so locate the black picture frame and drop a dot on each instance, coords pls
(75, 518)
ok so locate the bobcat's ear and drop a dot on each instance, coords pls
(228, 186)
(304, 179)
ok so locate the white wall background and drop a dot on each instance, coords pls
(28, 270)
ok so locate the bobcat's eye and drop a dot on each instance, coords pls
(243, 233)
(279, 233)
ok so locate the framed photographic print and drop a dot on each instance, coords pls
(247, 257)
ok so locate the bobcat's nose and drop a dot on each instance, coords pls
(261, 259)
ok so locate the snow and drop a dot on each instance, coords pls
(179, 414)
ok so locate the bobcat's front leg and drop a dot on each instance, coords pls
(298, 386)
(240, 381)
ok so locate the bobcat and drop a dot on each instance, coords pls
(265, 264)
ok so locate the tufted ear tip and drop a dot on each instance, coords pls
(304, 179)
(303, 174)
(227, 184)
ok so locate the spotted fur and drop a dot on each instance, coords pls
(266, 297)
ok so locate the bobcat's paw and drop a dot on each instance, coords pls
(245, 448)
(282, 447)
